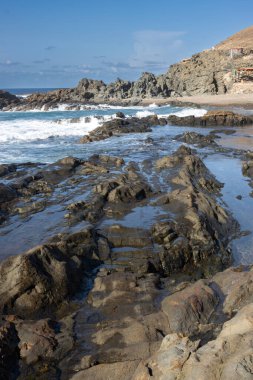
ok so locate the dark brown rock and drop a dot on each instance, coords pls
(8, 100)
(35, 282)
(9, 353)
(197, 139)
(7, 193)
(212, 118)
(199, 235)
(188, 308)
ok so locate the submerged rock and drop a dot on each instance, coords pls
(197, 139)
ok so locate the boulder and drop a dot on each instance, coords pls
(35, 282)
(190, 307)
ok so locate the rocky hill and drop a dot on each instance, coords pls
(213, 71)
(243, 39)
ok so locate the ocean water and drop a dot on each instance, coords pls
(24, 92)
(46, 136)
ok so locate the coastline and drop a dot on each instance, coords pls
(230, 100)
(128, 237)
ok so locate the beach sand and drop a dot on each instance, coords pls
(240, 100)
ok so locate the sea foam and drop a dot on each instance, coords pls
(31, 130)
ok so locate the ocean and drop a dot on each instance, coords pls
(46, 136)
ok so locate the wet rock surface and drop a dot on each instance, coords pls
(198, 230)
(107, 292)
(121, 125)
(194, 138)
(247, 168)
(40, 279)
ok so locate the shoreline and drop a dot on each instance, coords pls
(235, 100)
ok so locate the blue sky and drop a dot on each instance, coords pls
(54, 43)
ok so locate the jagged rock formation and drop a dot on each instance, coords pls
(7, 99)
(96, 91)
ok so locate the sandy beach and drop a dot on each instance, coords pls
(241, 100)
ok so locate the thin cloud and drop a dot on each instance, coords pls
(163, 45)
(9, 63)
(50, 47)
(41, 61)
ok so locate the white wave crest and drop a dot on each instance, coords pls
(82, 107)
(32, 130)
(23, 96)
(190, 112)
(153, 105)
(145, 113)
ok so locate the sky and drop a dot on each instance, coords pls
(55, 43)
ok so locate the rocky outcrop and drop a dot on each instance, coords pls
(203, 73)
(8, 100)
(121, 126)
(116, 195)
(209, 72)
(226, 352)
(95, 91)
(35, 282)
(197, 139)
(187, 309)
(31, 348)
(196, 238)
(212, 118)
(99, 302)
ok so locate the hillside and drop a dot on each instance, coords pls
(243, 39)
(215, 71)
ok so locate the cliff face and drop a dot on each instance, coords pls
(203, 73)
